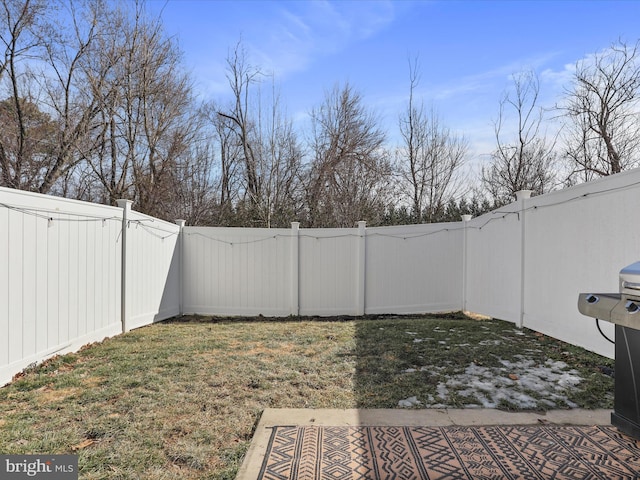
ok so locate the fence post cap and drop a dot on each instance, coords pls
(466, 218)
(124, 203)
(523, 194)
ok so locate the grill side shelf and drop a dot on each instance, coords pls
(598, 305)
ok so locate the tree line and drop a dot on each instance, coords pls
(95, 104)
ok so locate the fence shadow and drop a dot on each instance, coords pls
(390, 353)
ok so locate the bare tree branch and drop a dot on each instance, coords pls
(526, 162)
(603, 136)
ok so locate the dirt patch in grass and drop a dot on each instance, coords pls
(180, 399)
(49, 395)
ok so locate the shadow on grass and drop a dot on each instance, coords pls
(182, 397)
(454, 361)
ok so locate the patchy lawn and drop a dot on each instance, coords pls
(180, 399)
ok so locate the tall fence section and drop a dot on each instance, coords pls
(73, 272)
(61, 275)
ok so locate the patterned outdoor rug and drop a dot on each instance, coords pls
(502, 452)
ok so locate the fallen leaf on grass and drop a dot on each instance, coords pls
(513, 376)
(83, 444)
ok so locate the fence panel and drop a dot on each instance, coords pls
(153, 270)
(577, 240)
(414, 269)
(237, 271)
(59, 276)
(329, 269)
(493, 264)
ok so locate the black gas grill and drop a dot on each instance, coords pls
(622, 309)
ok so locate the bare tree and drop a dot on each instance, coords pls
(146, 112)
(279, 165)
(602, 103)
(164, 105)
(108, 71)
(46, 133)
(49, 73)
(430, 158)
(194, 190)
(241, 75)
(21, 160)
(525, 162)
(269, 153)
(225, 155)
(96, 104)
(75, 109)
(350, 172)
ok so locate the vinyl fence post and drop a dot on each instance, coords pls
(126, 210)
(181, 223)
(465, 220)
(361, 266)
(522, 196)
(295, 268)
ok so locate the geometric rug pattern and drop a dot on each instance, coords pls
(454, 452)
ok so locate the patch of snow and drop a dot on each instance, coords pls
(409, 402)
(443, 391)
(548, 403)
(417, 340)
(411, 333)
(492, 387)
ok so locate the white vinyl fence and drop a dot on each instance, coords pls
(326, 272)
(237, 271)
(414, 268)
(527, 262)
(65, 282)
(61, 275)
(152, 269)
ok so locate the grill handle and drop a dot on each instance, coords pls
(631, 285)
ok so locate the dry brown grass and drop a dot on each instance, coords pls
(181, 399)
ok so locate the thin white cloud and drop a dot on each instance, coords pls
(300, 32)
(558, 78)
(490, 79)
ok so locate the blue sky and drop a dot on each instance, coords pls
(467, 50)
